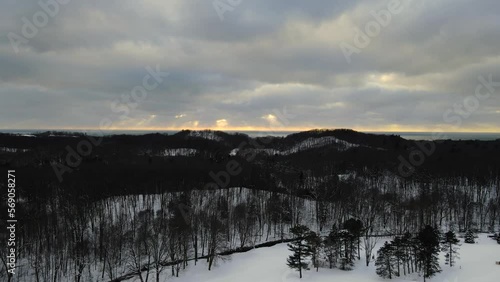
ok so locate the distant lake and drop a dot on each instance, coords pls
(406, 135)
(448, 135)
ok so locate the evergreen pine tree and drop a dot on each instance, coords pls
(386, 262)
(331, 247)
(469, 237)
(414, 246)
(398, 254)
(355, 227)
(428, 251)
(450, 246)
(347, 249)
(315, 243)
(301, 250)
(406, 242)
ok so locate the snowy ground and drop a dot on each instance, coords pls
(477, 264)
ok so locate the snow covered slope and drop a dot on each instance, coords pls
(188, 152)
(477, 264)
(304, 145)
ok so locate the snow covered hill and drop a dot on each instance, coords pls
(205, 134)
(188, 152)
(308, 144)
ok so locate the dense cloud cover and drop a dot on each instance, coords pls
(244, 64)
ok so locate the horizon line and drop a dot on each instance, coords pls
(244, 130)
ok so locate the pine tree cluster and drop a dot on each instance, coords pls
(408, 254)
(339, 249)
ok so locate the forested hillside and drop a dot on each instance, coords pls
(134, 205)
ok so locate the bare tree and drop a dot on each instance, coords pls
(370, 242)
(159, 244)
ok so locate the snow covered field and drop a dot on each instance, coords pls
(477, 264)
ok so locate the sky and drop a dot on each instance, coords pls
(391, 65)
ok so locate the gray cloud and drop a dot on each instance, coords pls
(264, 56)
